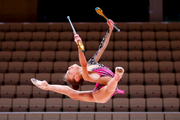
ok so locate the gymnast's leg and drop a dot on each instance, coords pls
(106, 92)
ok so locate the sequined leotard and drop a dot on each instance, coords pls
(102, 70)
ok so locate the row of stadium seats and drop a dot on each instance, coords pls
(89, 45)
(131, 91)
(58, 78)
(91, 35)
(73, 55)
(62, 66)
(88, 26)
(67, 104)
(91, 116)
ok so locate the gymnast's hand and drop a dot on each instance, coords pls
(110, 23)
(77, 38)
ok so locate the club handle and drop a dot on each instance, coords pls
(71, 25)
(116, 28)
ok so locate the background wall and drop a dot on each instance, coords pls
(18, 10)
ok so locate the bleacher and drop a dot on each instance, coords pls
(149, 53)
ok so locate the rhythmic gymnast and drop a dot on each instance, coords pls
(106, 81)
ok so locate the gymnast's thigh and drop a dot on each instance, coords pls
(102, 95)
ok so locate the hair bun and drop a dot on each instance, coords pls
(75, 87)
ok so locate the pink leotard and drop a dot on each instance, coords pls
(102, 70)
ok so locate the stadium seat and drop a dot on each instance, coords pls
(88, 116)
(149, 45)
(154, 104)
(121, 104)
(11, 78)
(50, 45)
(8, 45)
(167, 78)
(53, 104)
(137, 104)
(161, 26)
(162, 35)
(169, 91)
(134, 36)
(176, 55)
(15, 67)
(163, 45)
(55, 27)
(33, 55)
(120, 55)
(155, 116)
(66, 35)
(29, 27)
(16, 27)
(5, 56)
(87, 106)
(175, 45)
(92, 45)
(171, 104)
(136, 91)
(134, 27)
(36, 45)
(48, 55)
(43, 76)
(8, 91)
(25, 78)
(52, 36)
(174, 35)
(135, 55)
(25, 36)
(164, 55)
(20, 105)
(70, 105)
(135, 45)
(16, 116)
(22, 45)
(105, 107)
(24, 91)
(4, 27)
(38, 36)
(124, 80)
(11, 36)
(3, 67)
(120, 45)
(153, 91)
(45, 67)
(36, 105)
(136, 78)
(136, 67)
(147, 27)
(30, 67)
(18, 56)
(64, 45)
(166, 67)
(121, 36)
(149, 55)
(5, 105)
(39, 93)
(151, 67)
(101, 116)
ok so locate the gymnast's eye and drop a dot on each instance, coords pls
(68, 72)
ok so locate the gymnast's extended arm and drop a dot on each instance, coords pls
(104, 41)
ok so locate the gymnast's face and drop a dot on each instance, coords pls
(72, 71)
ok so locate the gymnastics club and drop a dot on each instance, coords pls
(80, 44)
(100, 12)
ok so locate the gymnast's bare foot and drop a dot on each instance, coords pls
(41, 84)
(119, 73)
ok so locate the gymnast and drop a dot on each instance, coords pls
(106, 81)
